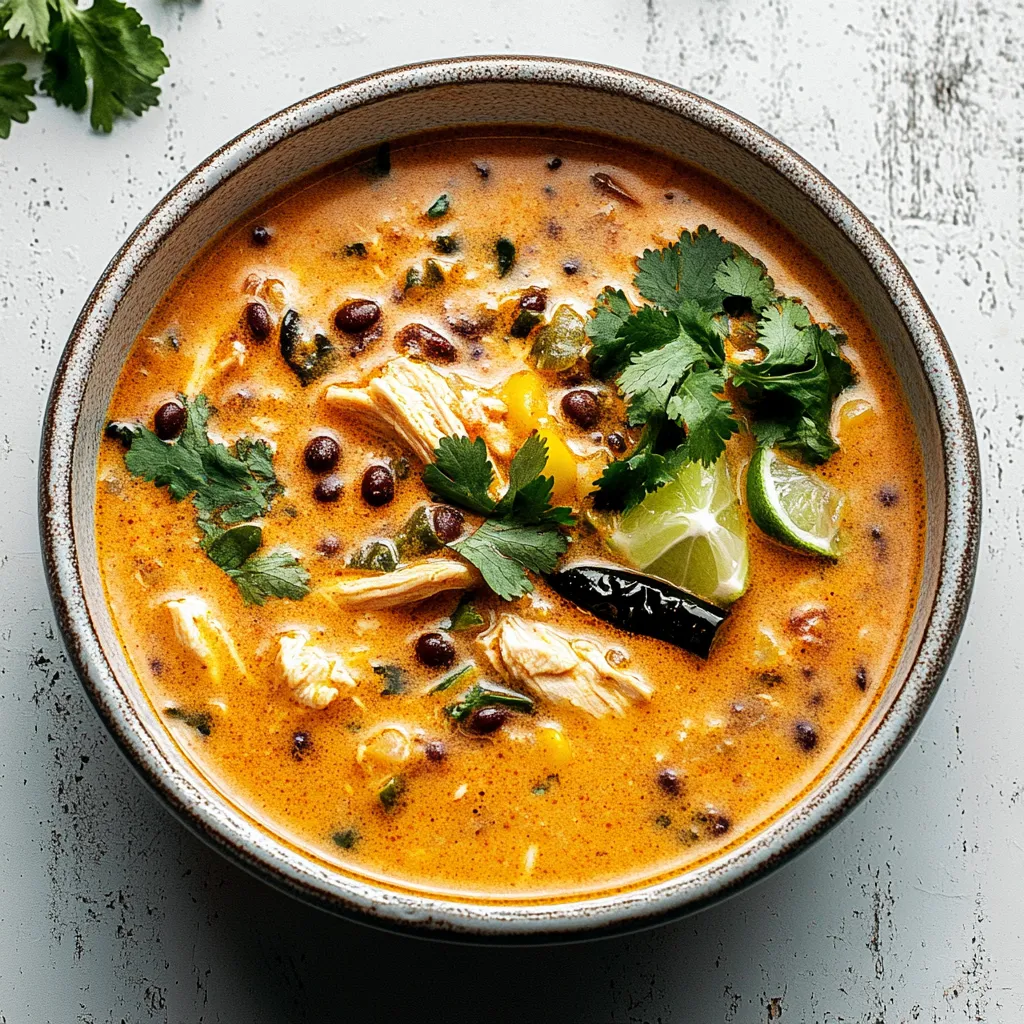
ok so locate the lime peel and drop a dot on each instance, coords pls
(793, 506)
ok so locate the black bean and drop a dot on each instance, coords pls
(329, 545)
(806, 735)
(669, 781)
(421, 341)
(260, 236)
(378, 486)
(616, 442)
(322, 453)
(487, 720)
(435, 751)
(581, 407)
(718, 823)
(302, 744)
(356, 316)
(861, 677)
(880, 542)
(554, 163)
(435, 650)
(484, 170)
(534, 300)
(570, 267)
(448, 523)
(169, 421)
(257, 319)
(888, 495)
(328, 489)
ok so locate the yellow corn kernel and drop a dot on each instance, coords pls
(527, 402)
(561, 465)
(554, 746)
(853, 416)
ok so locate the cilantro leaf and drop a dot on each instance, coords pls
(610, 312)
(277, 574)
(743, 277)
(229, 549)
(653, 463)
(522, 531)
(29, 19)
(708, 418)
(482, 694)
(15, 89)
(109, 45)
(684, 270)
(793, 387)
(462, 474)
(465, 616)
(652, 376)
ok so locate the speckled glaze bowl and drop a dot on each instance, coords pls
(471, 92)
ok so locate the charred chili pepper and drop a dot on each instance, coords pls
(641, 604)
(310, 358)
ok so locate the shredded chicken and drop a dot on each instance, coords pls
(204, 369)
(313, 675)
(407, 585)
(197, 629)
(420, 405)
(563, 669)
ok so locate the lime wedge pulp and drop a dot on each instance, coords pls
(792, 505)
(691, 533)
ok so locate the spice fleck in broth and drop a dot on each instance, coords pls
(429, 485)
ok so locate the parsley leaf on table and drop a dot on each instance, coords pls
(29, 19)
(15, 89)
(521, 531)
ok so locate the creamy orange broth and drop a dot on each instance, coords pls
(513, 814)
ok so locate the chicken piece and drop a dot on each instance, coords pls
(198, 630)
(420, 405)
(563, 669)
(313, 675)
(407, 585)
(204, 369)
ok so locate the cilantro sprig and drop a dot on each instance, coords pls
(106, 45)
(669, 362)
(228, 486)
(522, 530)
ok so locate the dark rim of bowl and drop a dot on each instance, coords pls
(412, 913)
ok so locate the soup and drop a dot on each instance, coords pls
(510, 516)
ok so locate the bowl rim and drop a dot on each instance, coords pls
(437, 916)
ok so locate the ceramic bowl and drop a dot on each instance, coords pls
(473, 92)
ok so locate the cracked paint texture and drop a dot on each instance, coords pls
(909, 911)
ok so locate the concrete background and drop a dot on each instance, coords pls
(910, 911)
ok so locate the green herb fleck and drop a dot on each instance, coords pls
(544, 785)
(201, 721)
(506, 253)
(465, 616)
(451, 679)
(375, 556)
(445, 245)
(309, 357)
(484, 694)
(355, 249)
(346, 838)
(394, 679)
(439, 207)
(391, 792)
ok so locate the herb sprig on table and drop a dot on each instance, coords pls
(228, 486)
(522, 531)
(669, 361)
(107, 45)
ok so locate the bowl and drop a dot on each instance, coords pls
(473, 92)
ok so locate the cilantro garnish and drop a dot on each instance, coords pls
(484, 694)
(793, 387)
(105, 45)
(522, 530)
(669, 362)
(227, 486)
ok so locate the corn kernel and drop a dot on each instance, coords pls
(527, 402)
(561, 465)
(554, 746)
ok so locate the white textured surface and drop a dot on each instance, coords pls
(910, 910)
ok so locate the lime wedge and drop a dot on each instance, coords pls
(792, 505)
(691, 533)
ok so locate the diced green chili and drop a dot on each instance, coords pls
(394, 679)
(464, 617)
(445, 245)
(506, 256)
(376, 555)
(346, 838)
(439, 207)
(559, 343)
(391, 792)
